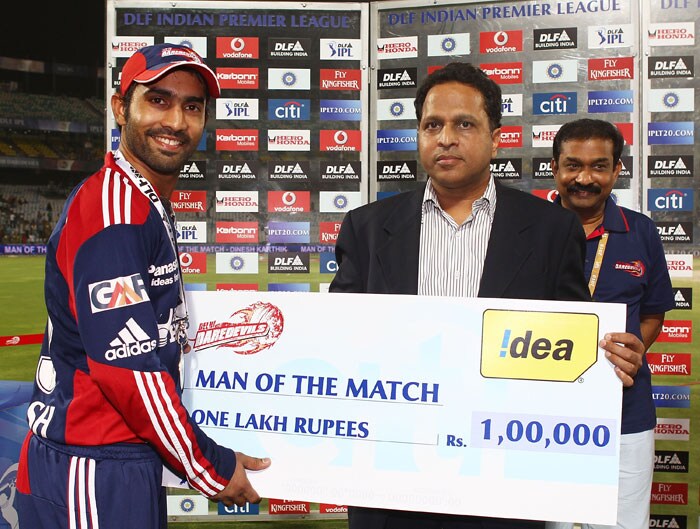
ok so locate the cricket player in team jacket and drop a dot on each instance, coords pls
(106, 413)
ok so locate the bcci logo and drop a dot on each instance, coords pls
(538, 345)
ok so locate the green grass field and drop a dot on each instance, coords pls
(22, 312)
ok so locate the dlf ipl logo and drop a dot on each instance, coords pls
(528, 345)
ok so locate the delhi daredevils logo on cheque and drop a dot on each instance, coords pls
(249, 330)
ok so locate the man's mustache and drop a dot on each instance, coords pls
(590, 188)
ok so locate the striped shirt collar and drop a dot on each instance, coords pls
(487, 201)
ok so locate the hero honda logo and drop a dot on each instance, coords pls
(117, 293)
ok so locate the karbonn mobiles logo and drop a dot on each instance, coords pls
(116, 293)
(538, 345)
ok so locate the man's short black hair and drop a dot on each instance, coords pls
(465, 73)
(587, 129)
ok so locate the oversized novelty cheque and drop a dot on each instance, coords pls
(492, 407)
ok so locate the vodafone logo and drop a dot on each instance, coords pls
(289, 198)
(237, 44)
(340, 137)
(185, 259)
(501, 38)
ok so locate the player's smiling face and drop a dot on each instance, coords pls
(163, 123)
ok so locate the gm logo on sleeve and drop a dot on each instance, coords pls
(525, 345)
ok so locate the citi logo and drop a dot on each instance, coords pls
(132, 340)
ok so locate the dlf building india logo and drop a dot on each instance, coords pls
(529, 345)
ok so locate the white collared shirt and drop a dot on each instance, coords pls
(451, 257)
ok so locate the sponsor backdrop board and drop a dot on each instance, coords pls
(315, 118)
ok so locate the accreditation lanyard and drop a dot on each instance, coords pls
(597, 263)
(180, 321)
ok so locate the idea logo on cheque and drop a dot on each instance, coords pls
(530, 345)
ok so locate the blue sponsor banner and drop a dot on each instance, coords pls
(341, 109)
(602, 101)
(114, 139)
(664, 199)
(671, 133)
(248, 509)
(289, 287)
(196, 287)
(397, 140)
(554, 103)
(328, 263)
(671, 396)
(285, 232)
(289, 109)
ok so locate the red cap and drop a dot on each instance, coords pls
(150, 63)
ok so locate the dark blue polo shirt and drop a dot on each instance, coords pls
(634, 272)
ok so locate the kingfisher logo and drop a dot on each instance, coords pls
(610, 68)
(500, 41)
(331, 79)
(670, 364)
(189, 201)
(671, 133)
(555, 39)
(607, 101)
(340, 140)
(397, 140)
(117, 293)
(553, 104)
(289, 109)
(328, 232)
(237, 47)
(340, 50)
(679, 199)
(549, 346)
